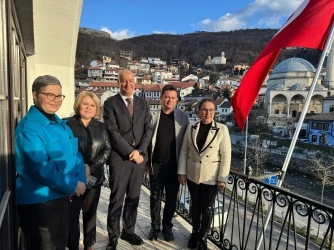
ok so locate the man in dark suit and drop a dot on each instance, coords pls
(128, 119)
(169, 126)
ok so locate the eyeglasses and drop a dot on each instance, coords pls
(52, 97)
(208, 110)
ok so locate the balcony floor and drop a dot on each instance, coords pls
(181, 228)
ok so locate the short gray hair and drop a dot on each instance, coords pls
(43, 81)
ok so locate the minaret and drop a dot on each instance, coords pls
(329, 78)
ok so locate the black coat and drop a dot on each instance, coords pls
(94, 144)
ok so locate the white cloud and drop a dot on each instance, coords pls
(260, 13)
(158, 32)
(119, 34)
(163, 32)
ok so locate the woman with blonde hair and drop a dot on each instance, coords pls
(94, 146)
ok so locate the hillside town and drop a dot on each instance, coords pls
(278, 104)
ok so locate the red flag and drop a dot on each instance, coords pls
(307, 27)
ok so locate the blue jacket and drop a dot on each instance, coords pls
(48, 163)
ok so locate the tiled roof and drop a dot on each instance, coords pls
(104, 84)
(153, 102)
(182, 84)
(321, 117)
(219, 100)
(226, 104)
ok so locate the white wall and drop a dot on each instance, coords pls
(56, 27)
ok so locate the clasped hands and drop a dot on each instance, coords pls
(81, 187)
(136, 157)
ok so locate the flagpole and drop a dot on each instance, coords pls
(246, 145)
(298, 128)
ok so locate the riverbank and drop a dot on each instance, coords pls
(295, 181)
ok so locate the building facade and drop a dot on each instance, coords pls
(37, 38)
(288, 86)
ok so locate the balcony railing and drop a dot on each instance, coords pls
(240, 212)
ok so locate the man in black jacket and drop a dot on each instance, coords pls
(128, 119)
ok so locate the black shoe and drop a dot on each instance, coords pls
(112, 245)
(133, 238)
(203, 244)
(193, 240)
(168, 234)
(153, 235)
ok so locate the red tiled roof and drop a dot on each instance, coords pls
(154, 87)
(153, 102)
(219, 100)
(182, 84)
(104, 84)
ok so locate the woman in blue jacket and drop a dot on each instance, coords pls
(49, 168)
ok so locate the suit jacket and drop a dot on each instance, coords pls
(126, 133)
(213, 162)
(181, 122)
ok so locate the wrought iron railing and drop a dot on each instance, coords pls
(240, 212)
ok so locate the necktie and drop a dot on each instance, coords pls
(130, 106)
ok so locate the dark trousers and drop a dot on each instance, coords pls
(125, 180)
(46, 225)
(202, 199)
(164, 177)
(88, 203)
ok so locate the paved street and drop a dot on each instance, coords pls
(181, 228)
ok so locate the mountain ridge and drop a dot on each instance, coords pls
(239, 46)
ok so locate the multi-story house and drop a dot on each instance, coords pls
(144, 80)
(111, 74)
(190, 78)
(95, 73)
(152, 92)
(155, 105)
(160, 76)
(155, 61)
(224, 110)
(320, 129)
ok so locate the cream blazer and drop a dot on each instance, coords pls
(213, 162)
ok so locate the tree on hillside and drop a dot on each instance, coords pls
(323, 170)
(183, 71)
(196, 87)
(214, 77)
(226, 92)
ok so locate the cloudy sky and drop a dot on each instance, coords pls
(129, 18)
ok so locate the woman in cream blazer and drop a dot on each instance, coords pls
(204, 162)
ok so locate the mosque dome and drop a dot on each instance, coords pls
(297, 86)
(294, 65)
(278, 86)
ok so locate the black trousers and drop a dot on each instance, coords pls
(88, 203)
(202, 199)
(164, 177)
(125, 180)
(46, 225)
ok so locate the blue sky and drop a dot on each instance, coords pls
(129, 18)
